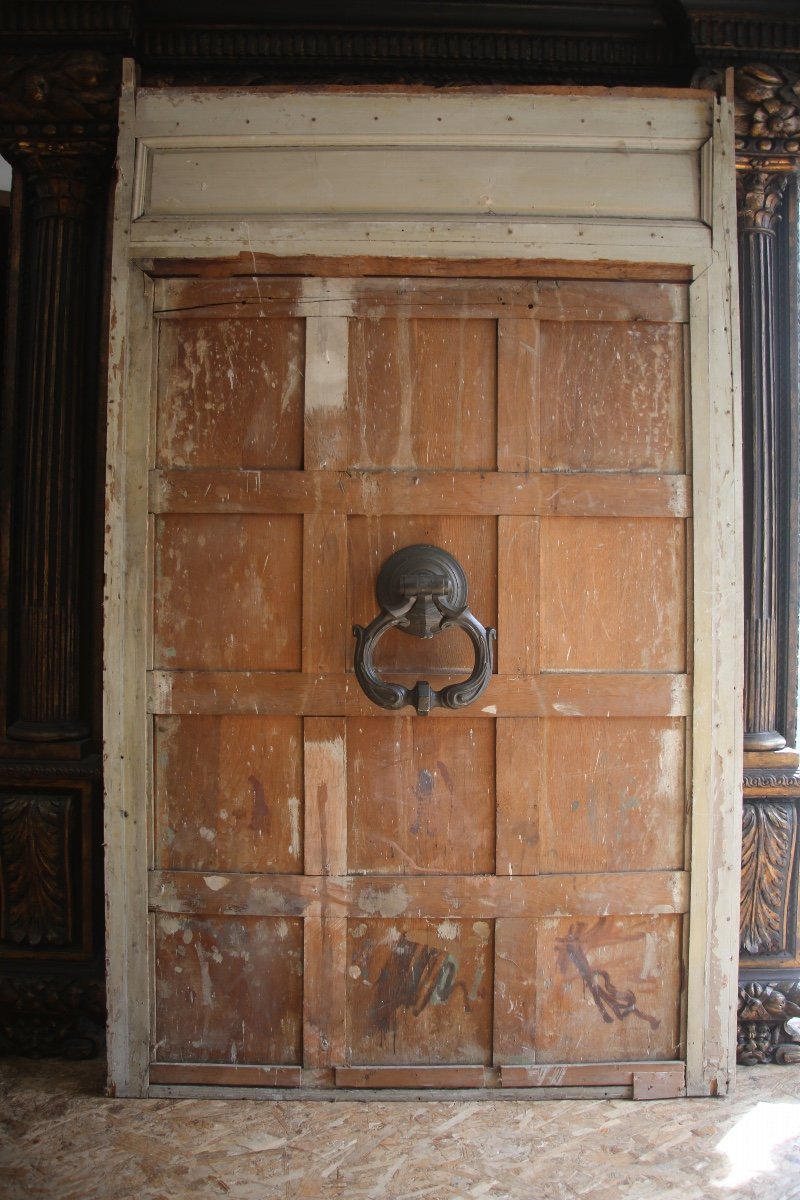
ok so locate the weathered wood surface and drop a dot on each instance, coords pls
(435, 896)
(601, 694)
(466, 880)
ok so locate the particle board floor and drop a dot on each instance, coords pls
(61, 1138)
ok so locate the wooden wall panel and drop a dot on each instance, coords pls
(611, 396)
(419, 991)
(609, 989)
(228, 592)
(228, 989)
(616, 594)
(611, 794)
(472, 540)
(230, 393)
(421, 795)
(423, 393)
(229, 793)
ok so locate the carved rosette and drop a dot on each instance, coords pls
(57, 114)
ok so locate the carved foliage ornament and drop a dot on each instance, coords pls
(768, 842)
(35, 869)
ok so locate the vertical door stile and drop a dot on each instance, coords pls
(325, 645)
(517, 753)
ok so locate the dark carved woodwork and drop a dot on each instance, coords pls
(36, 831)
(769, 843)
(56, 128)
(43, 1016)
(760, 198)
(767, 118)
(768, 1012)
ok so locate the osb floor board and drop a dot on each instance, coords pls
(60, 1138)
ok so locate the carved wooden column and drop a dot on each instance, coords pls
(58, 130)
(768, 151)
(760, 198)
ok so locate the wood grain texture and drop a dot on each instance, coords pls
(611, 396)
(480, 897)
(325, 776)
(421, 796)
(228, 592)
(444, 493)
(326, 633)
(515, 983)
(324, 1002)
(413, 296)
(562, 694)
(518, 418)
(518, 751)
(609, 989)
(228, 990)
(230, 392)
(229, 793)
(423, 392)
(419, 992)
(611, 793)
(411, 1077)
(518, 583)
(326, 393)
(216, 1075)
(617, 600)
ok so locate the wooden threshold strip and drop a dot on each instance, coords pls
(225, 1075)
(649, 1080)
(626, 893)
(413, 1077)
(295, 693)
(441, 493)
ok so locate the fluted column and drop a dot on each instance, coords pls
(761, 193)
(61, 144)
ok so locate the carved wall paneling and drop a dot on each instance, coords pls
(768, 156)
(58, 130)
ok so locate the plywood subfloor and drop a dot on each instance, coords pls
(60, 1138)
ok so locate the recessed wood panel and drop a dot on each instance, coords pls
(611, 794)
(611, 396)
(419, 991)
(229, 793)
(228, 592)
(228, 989)
(613, 594)
(423, 393)
(608, 989)
(420, 795)
(472, 540)
(230, 393)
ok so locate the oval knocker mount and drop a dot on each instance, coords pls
(422, 591)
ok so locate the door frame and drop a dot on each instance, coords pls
(535, 223)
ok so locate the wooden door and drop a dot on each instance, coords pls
(344, 896)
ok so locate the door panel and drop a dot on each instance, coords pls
(340, 887)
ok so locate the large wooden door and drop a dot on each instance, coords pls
(344, 896)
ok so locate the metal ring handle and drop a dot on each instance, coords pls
(414, 587)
